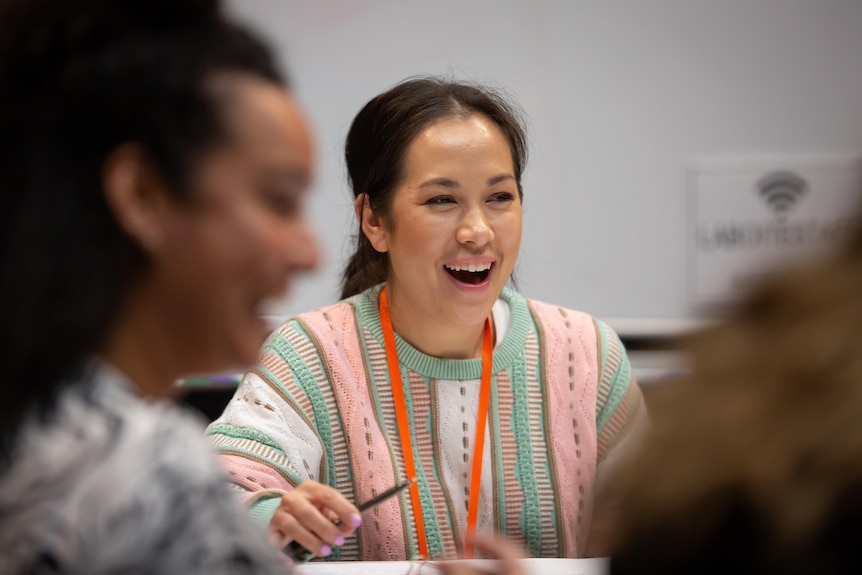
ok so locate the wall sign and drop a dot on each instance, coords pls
(751, 215)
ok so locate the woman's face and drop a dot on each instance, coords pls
(454, 228)
(244, 235)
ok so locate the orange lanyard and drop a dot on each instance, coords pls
(404, 428)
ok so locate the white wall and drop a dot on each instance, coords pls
(621, 96)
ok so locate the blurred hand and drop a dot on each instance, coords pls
(308, 514)
(506, 554)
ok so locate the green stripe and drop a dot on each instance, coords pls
(550, 515)
(619, 381)
(429, 515)
(236, 432)
(329, 449)
(270, 377)
(305, 380)
(263, 509)
(531, 519)
(505, 353)
(497, 448)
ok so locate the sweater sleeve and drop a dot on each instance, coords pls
(268, 439)
(621, 420)
(621, 416)
(263, 508)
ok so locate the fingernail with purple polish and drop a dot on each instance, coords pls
(339, 540)
(325, 551)
(355, 520)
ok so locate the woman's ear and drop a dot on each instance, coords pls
(371, 224)
(136, 196)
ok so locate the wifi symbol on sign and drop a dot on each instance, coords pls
(781, 190)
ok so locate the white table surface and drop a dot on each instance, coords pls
(531, 566)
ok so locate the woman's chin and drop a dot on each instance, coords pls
(472, 314)
(247, 352)
(242, 347)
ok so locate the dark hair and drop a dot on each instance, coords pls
(378, 141)
(78, 79)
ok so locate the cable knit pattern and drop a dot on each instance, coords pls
(319, 406)
(570, 359)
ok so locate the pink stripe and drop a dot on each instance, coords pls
(281, 370)
(571, 383)
(250, 474)
(381, 533)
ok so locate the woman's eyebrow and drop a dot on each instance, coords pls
(499, 178)
(295, 179)
(450, 183)
(445, 182)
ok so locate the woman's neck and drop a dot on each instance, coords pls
(137, 348)
(435, 336)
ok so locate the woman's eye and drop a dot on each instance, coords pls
(280, 203)
(440, 200)
(503, 197)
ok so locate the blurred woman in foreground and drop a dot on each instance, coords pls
(152, 172)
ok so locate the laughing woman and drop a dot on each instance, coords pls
(507, 411)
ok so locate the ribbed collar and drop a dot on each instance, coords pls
(505, 352)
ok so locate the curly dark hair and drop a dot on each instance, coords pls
(78, 79)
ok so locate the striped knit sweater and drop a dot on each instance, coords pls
(319, 406)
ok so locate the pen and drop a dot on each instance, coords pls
(300, 554)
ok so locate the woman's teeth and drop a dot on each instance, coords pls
(469, 273)
(468, 267)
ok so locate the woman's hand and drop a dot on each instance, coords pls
(308, 514)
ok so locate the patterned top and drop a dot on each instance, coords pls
(319, 406)
(113, 483)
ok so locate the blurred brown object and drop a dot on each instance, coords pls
(754, 460)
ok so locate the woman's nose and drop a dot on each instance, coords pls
(301, 251)
(474, 228)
